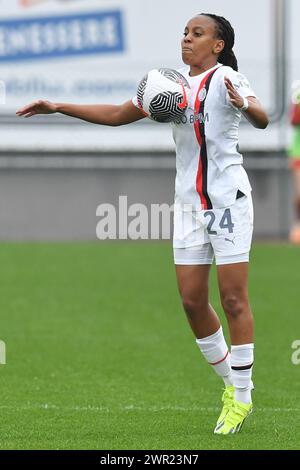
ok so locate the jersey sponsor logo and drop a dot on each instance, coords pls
(96, 32)
(192, 118)
(202, 118)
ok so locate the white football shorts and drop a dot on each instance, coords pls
(224, 234)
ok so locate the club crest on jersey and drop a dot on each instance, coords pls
(202, 94)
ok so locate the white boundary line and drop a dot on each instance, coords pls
(126, 408)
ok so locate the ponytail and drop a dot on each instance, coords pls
(229, 58)
(225, 31)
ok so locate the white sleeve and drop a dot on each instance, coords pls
(242, 85)
(135, 102)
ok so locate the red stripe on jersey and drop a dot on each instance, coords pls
(197, 107)
(199, 178)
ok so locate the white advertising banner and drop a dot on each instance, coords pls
(89, 51)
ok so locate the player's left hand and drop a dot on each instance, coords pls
(235, 98)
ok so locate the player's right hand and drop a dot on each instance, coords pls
(38, 107)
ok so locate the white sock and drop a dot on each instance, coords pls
(215, 351)
(241, 365)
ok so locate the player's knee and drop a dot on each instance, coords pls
(193, 306)
(234, 305)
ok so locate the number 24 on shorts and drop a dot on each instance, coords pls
(225, 222)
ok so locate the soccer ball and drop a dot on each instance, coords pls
(163, 95)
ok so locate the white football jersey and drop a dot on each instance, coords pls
(208, 163)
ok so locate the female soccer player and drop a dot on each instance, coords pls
(213, 215)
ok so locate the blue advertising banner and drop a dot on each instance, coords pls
(59, 36)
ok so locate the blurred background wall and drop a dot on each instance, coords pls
(55, 171)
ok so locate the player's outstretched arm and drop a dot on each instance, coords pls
(105, 114)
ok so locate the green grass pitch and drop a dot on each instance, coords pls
(100, 356)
